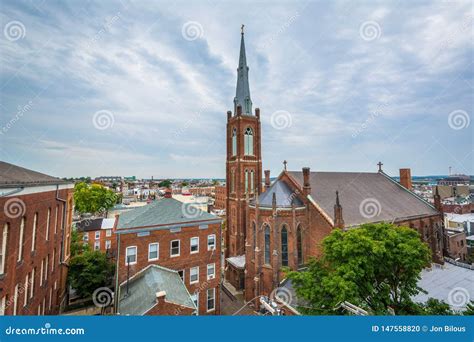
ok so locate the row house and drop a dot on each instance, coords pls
(177, 237)
(35, 223)
(98, 234)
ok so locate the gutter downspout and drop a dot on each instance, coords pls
(62, 237)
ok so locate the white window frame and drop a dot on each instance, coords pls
(126, 255)
(108, 244)
(46, 270)
(97, 235)
(3, 257)
(183, 272)
(3, 302)
(96, 245)
(191, 275)
(20, 240)
(56, 219)
(25, 292)
(213, 297)
(171, 248)
(85, 237)
(32, 288)
(47, 224)
(195, 299)
(42, 272)
(214, 243)
(33, 233)
(157, 251)
(15, 300)
(108, 232)
(213, 275)
(191, 245)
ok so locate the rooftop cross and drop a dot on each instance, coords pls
(380, 166)
(284, 164)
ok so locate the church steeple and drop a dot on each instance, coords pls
(242, 94)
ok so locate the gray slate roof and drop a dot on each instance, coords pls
(166, 211)
(448, 283)
(143, 288)
(391, 200)
(16, 176)
(284, 195)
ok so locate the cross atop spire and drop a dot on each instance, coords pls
(242, 93)
(284, 164)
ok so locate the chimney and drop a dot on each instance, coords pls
(267, 179)
(405, 178)
(306, 182)
(338, 220)
(160, 295)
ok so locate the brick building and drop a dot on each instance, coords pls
(36, 221)
(220, 197)
(175, 236)
(284, 225)
(98, 234)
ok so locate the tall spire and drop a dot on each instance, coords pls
(242, 94)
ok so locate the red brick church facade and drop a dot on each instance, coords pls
(283, 224)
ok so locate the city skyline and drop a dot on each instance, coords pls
(141, 89)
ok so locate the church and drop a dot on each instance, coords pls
(280, 225)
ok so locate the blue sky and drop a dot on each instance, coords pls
(142, 88)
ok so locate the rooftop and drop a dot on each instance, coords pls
(162, 212)
(144, 286)
(446, 283)
(284, 196)
(17, 176)
(362, 192)
(237, 261)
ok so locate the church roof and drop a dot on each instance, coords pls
(242, 93)
(364, 197)
(283, 195)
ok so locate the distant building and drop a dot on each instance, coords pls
(446, 191)
(455, 180)
(173, 235)
(35, 223)
(220, 197)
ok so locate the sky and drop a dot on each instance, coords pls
(91, 88)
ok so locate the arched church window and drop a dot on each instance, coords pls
(248, 142)
(267, 244)
(246, 180)
(234, 141)
(284, 246)
(299, 244)
(252, 181)
(232, 181)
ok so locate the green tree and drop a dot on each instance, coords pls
(469, 309)
(375, 266)
(93, 198)
(89, 271)
(183, 184)
(77, 244)
(437, 307)
(164, 184)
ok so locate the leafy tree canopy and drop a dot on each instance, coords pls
(89, 271)
(164, 184)
(375, 267)
(93, 198)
